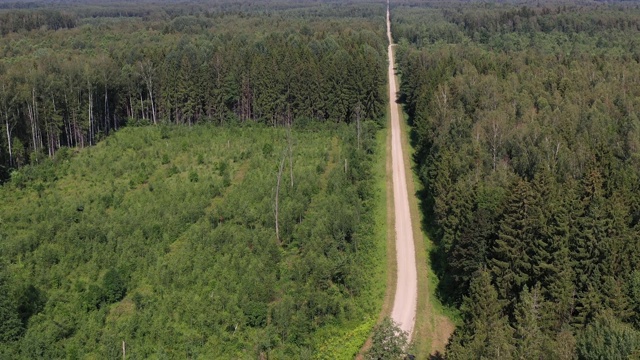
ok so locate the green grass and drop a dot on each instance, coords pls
(434, 320)
(433, 316)
(186, 217)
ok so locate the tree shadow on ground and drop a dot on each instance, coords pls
(437, 256)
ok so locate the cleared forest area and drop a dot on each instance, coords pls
(165, 238)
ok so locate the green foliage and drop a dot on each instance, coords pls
(193, 176)
(608, 338)
(114, 286)
(10, 325)
(193, 268)
(93, 297)
(486, 332)
(30, 302)
(526, 149)
(164, 64)
(388, 341)
(530, 340)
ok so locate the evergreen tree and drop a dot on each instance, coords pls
(511, 253)
(586, 248)
(544, 244)
(559, 286)
(529, 337)
(114, 286)
(562, 346)
(470, 253)
(608, 338)
(486, 333)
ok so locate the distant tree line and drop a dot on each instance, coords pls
(35, 19)
(77, 94)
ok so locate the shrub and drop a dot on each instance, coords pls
(114, 286)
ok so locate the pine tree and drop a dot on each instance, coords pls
(608, 338)
(562, 346)
(542, 247)
(586, 248)
(616, 297)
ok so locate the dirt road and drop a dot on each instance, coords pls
(406, 297)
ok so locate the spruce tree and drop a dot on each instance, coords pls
(541, 228)
(586, 247)
(470, 253)
(511, 260)
(608, 338)
(529, 337)
(559, 286)
(486, 332)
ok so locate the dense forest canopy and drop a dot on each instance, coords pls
(70, 77)
(241, 222)
(191, 180)
(527, 128)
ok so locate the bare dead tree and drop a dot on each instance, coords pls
(147, 72)
(7, 127)
(277, 201)
(358, 111)
(290, 145)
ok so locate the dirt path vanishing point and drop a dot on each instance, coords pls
(406, 297)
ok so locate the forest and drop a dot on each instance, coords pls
(184, 242)
(204, 179)
(526, 124)
(192, 180)
(71, 76)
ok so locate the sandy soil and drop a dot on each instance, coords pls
(405, 300)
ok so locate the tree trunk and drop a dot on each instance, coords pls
(35, 116)
(289, 141)
(91, 129)
(153, 105)
(6, 119)
(32, 121)
(277, 200)
(9, 138)
(106, 109)
(358, 110)
(51, 142)
(34, 144)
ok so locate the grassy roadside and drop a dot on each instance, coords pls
(385, 224)
(434, 322)
(344, 344)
